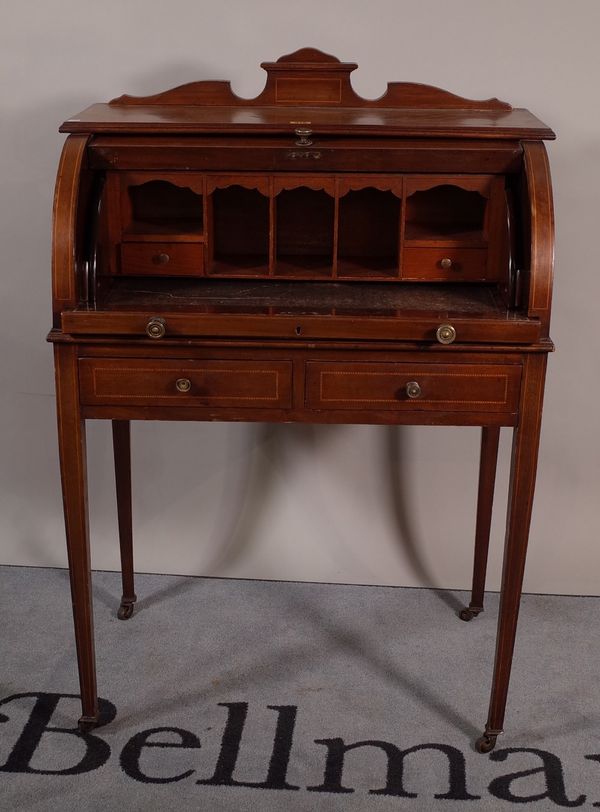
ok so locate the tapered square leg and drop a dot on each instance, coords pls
(490, 436)
(72, 453)
(520, 500)
(122, 454)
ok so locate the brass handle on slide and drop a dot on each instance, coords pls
(156, 327)
(445, 334)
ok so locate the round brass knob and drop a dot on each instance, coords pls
(156, 327)
(183, 384)
(446, 263)
(161, 259)
(445, 334)
(413, 390)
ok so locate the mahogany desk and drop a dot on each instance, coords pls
(307, 255)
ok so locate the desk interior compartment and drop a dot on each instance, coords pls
(304, 228)
(346, 232)
(451, 226)
(159, 206)
(239, 224)
(447, 211)
(368, 233)
(155, 224)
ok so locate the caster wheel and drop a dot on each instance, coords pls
(87, 723)
(125, 611)
(469, 612)
(485, 744)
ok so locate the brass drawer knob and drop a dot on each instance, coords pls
(156, 327)
(183, 384)
(161, 259)
(446, 263)
(445, 334)
(413, 390)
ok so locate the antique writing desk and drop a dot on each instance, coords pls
(308, 255)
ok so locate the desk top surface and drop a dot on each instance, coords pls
(171, 119)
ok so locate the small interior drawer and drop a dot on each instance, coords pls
(445, 264)
(162, 258)
(162, 382)
(403, 386)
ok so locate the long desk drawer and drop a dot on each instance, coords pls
(165, 382)
(407, 386)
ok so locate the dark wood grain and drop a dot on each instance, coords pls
(239, 383)
(522, 483)
(162, 259)
(311, 76)
(337, 154)
(72, 452)
(121, 431)
(490, 437)
(467, 264)
(540, 250)
(170, 119)
(69, 225)
(443, 387)
(300, 257)
(320, 87)
(358, 326)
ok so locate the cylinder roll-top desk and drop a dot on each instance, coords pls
(307, 255)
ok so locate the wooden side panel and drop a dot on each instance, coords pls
(541, 219)
(68, 226)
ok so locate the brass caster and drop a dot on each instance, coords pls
(125, 611)
(469, 612)
(486, 743)
(87, 723)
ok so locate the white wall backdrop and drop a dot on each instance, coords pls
(350, 504)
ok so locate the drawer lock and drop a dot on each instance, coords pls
(413, 390)
(304, 139)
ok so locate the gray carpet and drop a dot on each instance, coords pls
(263, 685)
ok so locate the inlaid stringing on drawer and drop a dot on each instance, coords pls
(224, 383)
(433, 387)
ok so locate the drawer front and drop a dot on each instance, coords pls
(445, 264)
(162, 259)
(229, 384)
(404, 386)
